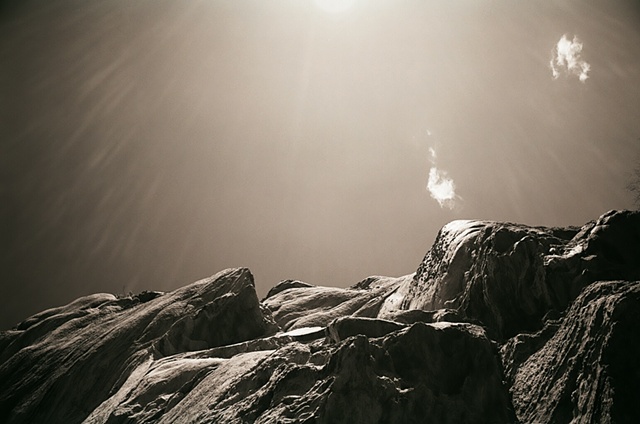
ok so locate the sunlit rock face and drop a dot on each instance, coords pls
(500, 323)
(306, 305)
(61, 364)
(509, 277)
(489, 271)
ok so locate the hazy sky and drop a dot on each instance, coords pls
(147, 144)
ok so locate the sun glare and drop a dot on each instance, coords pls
(335, 6)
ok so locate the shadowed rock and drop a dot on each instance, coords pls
(402, 377)
(345, 327)
(413, 349)
(589, 370)
(445, 373)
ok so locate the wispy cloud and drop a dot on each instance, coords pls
(567, 59)
(441, 187)
(433, 154)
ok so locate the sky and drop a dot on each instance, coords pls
(148, 144)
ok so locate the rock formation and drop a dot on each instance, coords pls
(500, 323)
(589, 370)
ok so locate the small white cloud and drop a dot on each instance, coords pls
(442, 188)
(567, 59)
(585, 70)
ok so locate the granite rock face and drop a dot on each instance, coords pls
(589, 370)
(500, 323)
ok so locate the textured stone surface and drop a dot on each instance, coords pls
(403, 377)
(501, 323)
(447, 372)
(65, 362)
(589, 371)
(493, 272)
(307, 306)
(509, 277)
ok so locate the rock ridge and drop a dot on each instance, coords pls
(501, 322)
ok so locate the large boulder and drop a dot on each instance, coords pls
(61, 364)
(510, 276)
(605, 249)
(489, 271)
(589, 370)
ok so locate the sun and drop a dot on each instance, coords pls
(335, 6)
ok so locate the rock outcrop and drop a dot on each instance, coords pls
(493, 272)
(589, 371)
(500, 323)
(510, 276)
(62, 364)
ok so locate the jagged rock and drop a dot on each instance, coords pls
(589, 370)
(509, 277)
(65, 362)
(403, 377)
(444, 373)
(605, 249)
(519, 348)
(423, 347)
(488, 271)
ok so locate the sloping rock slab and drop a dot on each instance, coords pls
(295, 305)
(65, 362)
